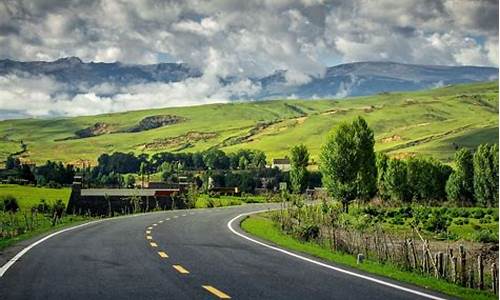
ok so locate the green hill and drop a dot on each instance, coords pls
(431, 123)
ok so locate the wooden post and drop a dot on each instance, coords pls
(494, 278)
(436, 270)
(414, 255)
(454, 270)
(471, 278)
(480, 269)
(463, 260)
(440, 258)
(425, 262)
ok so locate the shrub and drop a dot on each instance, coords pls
(478, 213)
(485, 220)
(9, 203)
(307, 232)
(485, 236)
(437, 223)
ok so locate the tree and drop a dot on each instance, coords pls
(367, 173)
(259, 159)
(298, 173)
(382, 161)
(12, 162)
(130, 181)
(142, 171)
(339, 164)
(460, 185)
(485, 162)
(426, 179)
(395, 179)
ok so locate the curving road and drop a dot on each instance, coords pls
(188, 254)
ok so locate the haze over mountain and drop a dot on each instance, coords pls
(70, 79)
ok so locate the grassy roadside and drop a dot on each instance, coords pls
(263, 227)
(44, 228)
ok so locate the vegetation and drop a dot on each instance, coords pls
(264, 227)
(347, 162)
(431, 123)
(298, 172)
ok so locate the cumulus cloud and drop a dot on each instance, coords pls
(245, 39)
(42, 96)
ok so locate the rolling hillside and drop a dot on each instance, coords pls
(430, 123)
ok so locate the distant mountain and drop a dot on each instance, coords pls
(353, 79)
(367, 78)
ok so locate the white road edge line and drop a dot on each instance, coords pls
(13, 260)
(392, 285)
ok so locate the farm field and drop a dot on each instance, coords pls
(29, 196)
(429, 123)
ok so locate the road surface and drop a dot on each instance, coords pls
(182, 254)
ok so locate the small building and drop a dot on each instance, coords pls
(281, 163)
(104, 201)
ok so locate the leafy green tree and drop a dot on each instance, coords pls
(382, 161)
(259, 159)
(298, 173)
(460, 185)
(367, 173)
(243, 163)
(130, 181)
(427, 179)
(395, 179)
(485, 163)
(339, 164)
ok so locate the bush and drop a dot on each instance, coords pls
(459, 212)
(437, 223)
(485, 236)
(486, 219)
(478, 213)
(9, 203)
(307, 232)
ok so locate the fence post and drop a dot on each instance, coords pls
(494, 278)
(440, 259)
(480, 269)
(463, 260)
(425, 259)
(454, 270)
(471, 277)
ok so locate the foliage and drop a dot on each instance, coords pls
(395, 180)
(485, 163)
(367, 173)
(347, 162)
(299, 159)
(460, 185)
(8, 203)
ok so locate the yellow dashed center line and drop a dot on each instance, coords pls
(216, 292)
(176, 216)
(162, 254)
(149, 237)
(184, 215)
(148, 231)
(180, 269)
(153, 244)
(155, 224)
(150, 227)
(161, 221)
(167, 219)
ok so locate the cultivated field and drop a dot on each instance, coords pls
(431, 123)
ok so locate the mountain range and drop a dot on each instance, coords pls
(351, 79)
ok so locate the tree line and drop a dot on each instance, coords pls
(352, 170)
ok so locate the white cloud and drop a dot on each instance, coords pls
(42, 96)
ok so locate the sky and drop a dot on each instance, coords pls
(244, 38)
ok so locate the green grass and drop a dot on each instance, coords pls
(44, 226)
(29, 196)
(429, 123)
(264, 228)
(205, 201)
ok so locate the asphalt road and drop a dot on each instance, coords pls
(130, 258)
